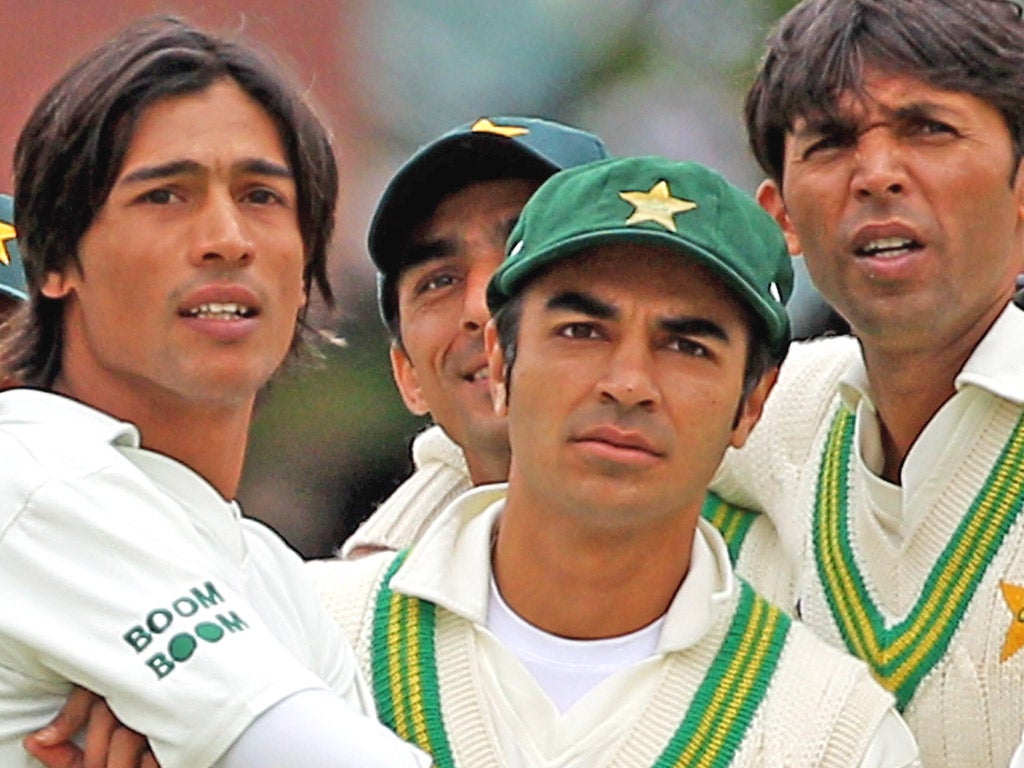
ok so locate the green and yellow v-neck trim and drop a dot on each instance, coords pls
(901, 654)
(408, 694)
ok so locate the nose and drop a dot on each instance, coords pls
(221, 232)
(879, 171)
(629, 380)
(474, 303)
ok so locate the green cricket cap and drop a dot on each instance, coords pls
(651, 201)
(12, 272)
(487, 148)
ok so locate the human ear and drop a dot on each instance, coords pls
(752, 407)
(496, 369)
(407, 381)
(770, 198)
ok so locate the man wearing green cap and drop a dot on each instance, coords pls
(12, 274)
(584, 614)
(436, 238)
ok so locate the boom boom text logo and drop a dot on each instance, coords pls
(188, 621)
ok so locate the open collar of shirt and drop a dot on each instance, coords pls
(451, 567)
(995, 365)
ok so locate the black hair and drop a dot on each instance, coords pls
(818, 51)
(71, 150)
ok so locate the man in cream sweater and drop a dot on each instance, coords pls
(436, 238)
(892, 464)
(584, 614)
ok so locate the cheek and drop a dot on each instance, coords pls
(427, 337)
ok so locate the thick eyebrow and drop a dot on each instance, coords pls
(695, 326)
(584, 304)
(255, 165)
(824, 125)
(833, 125)
(919, 111)
(424, 251)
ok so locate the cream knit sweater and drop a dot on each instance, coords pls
(821, 709)
(926, 582)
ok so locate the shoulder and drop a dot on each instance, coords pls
(829, 677)
(349, 588)
(818, 364)
(804, 397)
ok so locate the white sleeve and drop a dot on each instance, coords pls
(1017, 761)
(893, 745)
(110, 584)
(317, 730)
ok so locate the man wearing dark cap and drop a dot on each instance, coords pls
(12, 274)
(436, 237)
(584, 614)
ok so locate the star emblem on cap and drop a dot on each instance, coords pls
(656, 204)
(1014, 597)
(483, 125)
(6, 233)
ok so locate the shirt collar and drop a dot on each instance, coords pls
(995, 365)
(451, 567)
(31, 406)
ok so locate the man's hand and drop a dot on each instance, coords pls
(108, 743)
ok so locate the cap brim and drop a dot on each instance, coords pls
(517, 275)
(445, 166)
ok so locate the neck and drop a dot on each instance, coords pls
(586, 582)
(909, 384)
(489, 465)
(210, 439)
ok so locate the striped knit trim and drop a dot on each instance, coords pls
(901, 655)
(405, 683)
(732, 522)
(734, 687)
(408, 697)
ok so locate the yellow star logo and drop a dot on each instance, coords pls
(657, 205)
(1014, 597)
(483, 125)
(6, 233)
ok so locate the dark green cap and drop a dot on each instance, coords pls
(654, 202)
(488, 148)
(12, 273)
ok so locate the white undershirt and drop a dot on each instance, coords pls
(567, 669)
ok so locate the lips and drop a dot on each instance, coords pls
(616, 437)
(888, 247)
(886, 241)
(472, 365)
(220, 311)
(220, 302)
